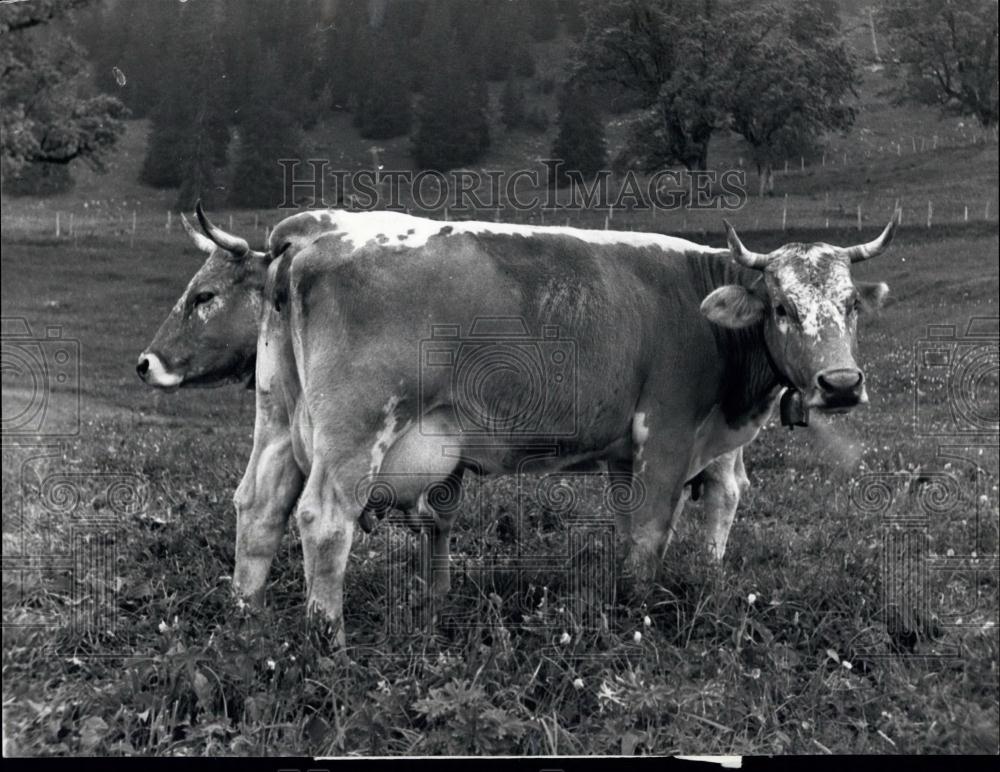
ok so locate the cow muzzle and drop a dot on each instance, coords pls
(839, 389)
(152, 371)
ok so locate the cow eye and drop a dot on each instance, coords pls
(780, 312)
(203, 297)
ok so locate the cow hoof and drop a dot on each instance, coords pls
(367, 521)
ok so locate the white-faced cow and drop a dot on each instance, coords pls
(393, 353)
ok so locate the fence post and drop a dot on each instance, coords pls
(966, 213)
(605, 222)
(802, 163)
(169, 220)
(859, 216)
(930, 213)
(784, 212)
(230, 222)
(786, 166)
(72, 223)
(57, 224)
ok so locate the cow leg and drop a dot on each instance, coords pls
(264, 500)
(661, 492)
(722, 482)
(621, 482)
(326, 515)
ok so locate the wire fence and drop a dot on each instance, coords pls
(767, 214)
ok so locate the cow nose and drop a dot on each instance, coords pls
(142, 366)
(841, 381)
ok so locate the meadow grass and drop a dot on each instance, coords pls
(816, 663)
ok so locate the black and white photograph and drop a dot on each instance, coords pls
(426, 380)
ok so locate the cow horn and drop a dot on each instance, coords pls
(203, 242)
(741, 254)
(873, 248)
(234, 244)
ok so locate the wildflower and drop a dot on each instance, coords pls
(752, 598)
(577, 683)
(847, 665)
(565, 638)
(637, 636)
(647, 621)
(606, 693)
(755, 673)
(164, 628)
(271, 664)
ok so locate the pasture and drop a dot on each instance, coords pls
(814, 636)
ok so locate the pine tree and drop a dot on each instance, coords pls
(384, 108)
(580, 142)
(267, 135)
(513, 107)
(190, 130)
(453, 115)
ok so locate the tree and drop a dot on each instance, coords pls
(49, 116)
(513, 104)
(453, 121)
(580, 142)
(190, 126)
(944, 52)
(673, 54)
(792, 76)
(267, 136)
(384, 106)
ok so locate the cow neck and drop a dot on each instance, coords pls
(752, 376)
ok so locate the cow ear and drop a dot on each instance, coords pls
(733, 306)
(872, 294)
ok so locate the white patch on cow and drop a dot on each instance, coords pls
(205, 311)
(640, 434)
(819, 299)
(158, 375)
(386, 436)
(397, 230)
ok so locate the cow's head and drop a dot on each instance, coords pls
(809, 306)
(210, 336)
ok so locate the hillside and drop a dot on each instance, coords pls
(905, 154)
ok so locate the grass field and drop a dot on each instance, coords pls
(856, 610)
(142, 650)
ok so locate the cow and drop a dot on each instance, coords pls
(660, 357)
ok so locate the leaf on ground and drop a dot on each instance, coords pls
(92, 731)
